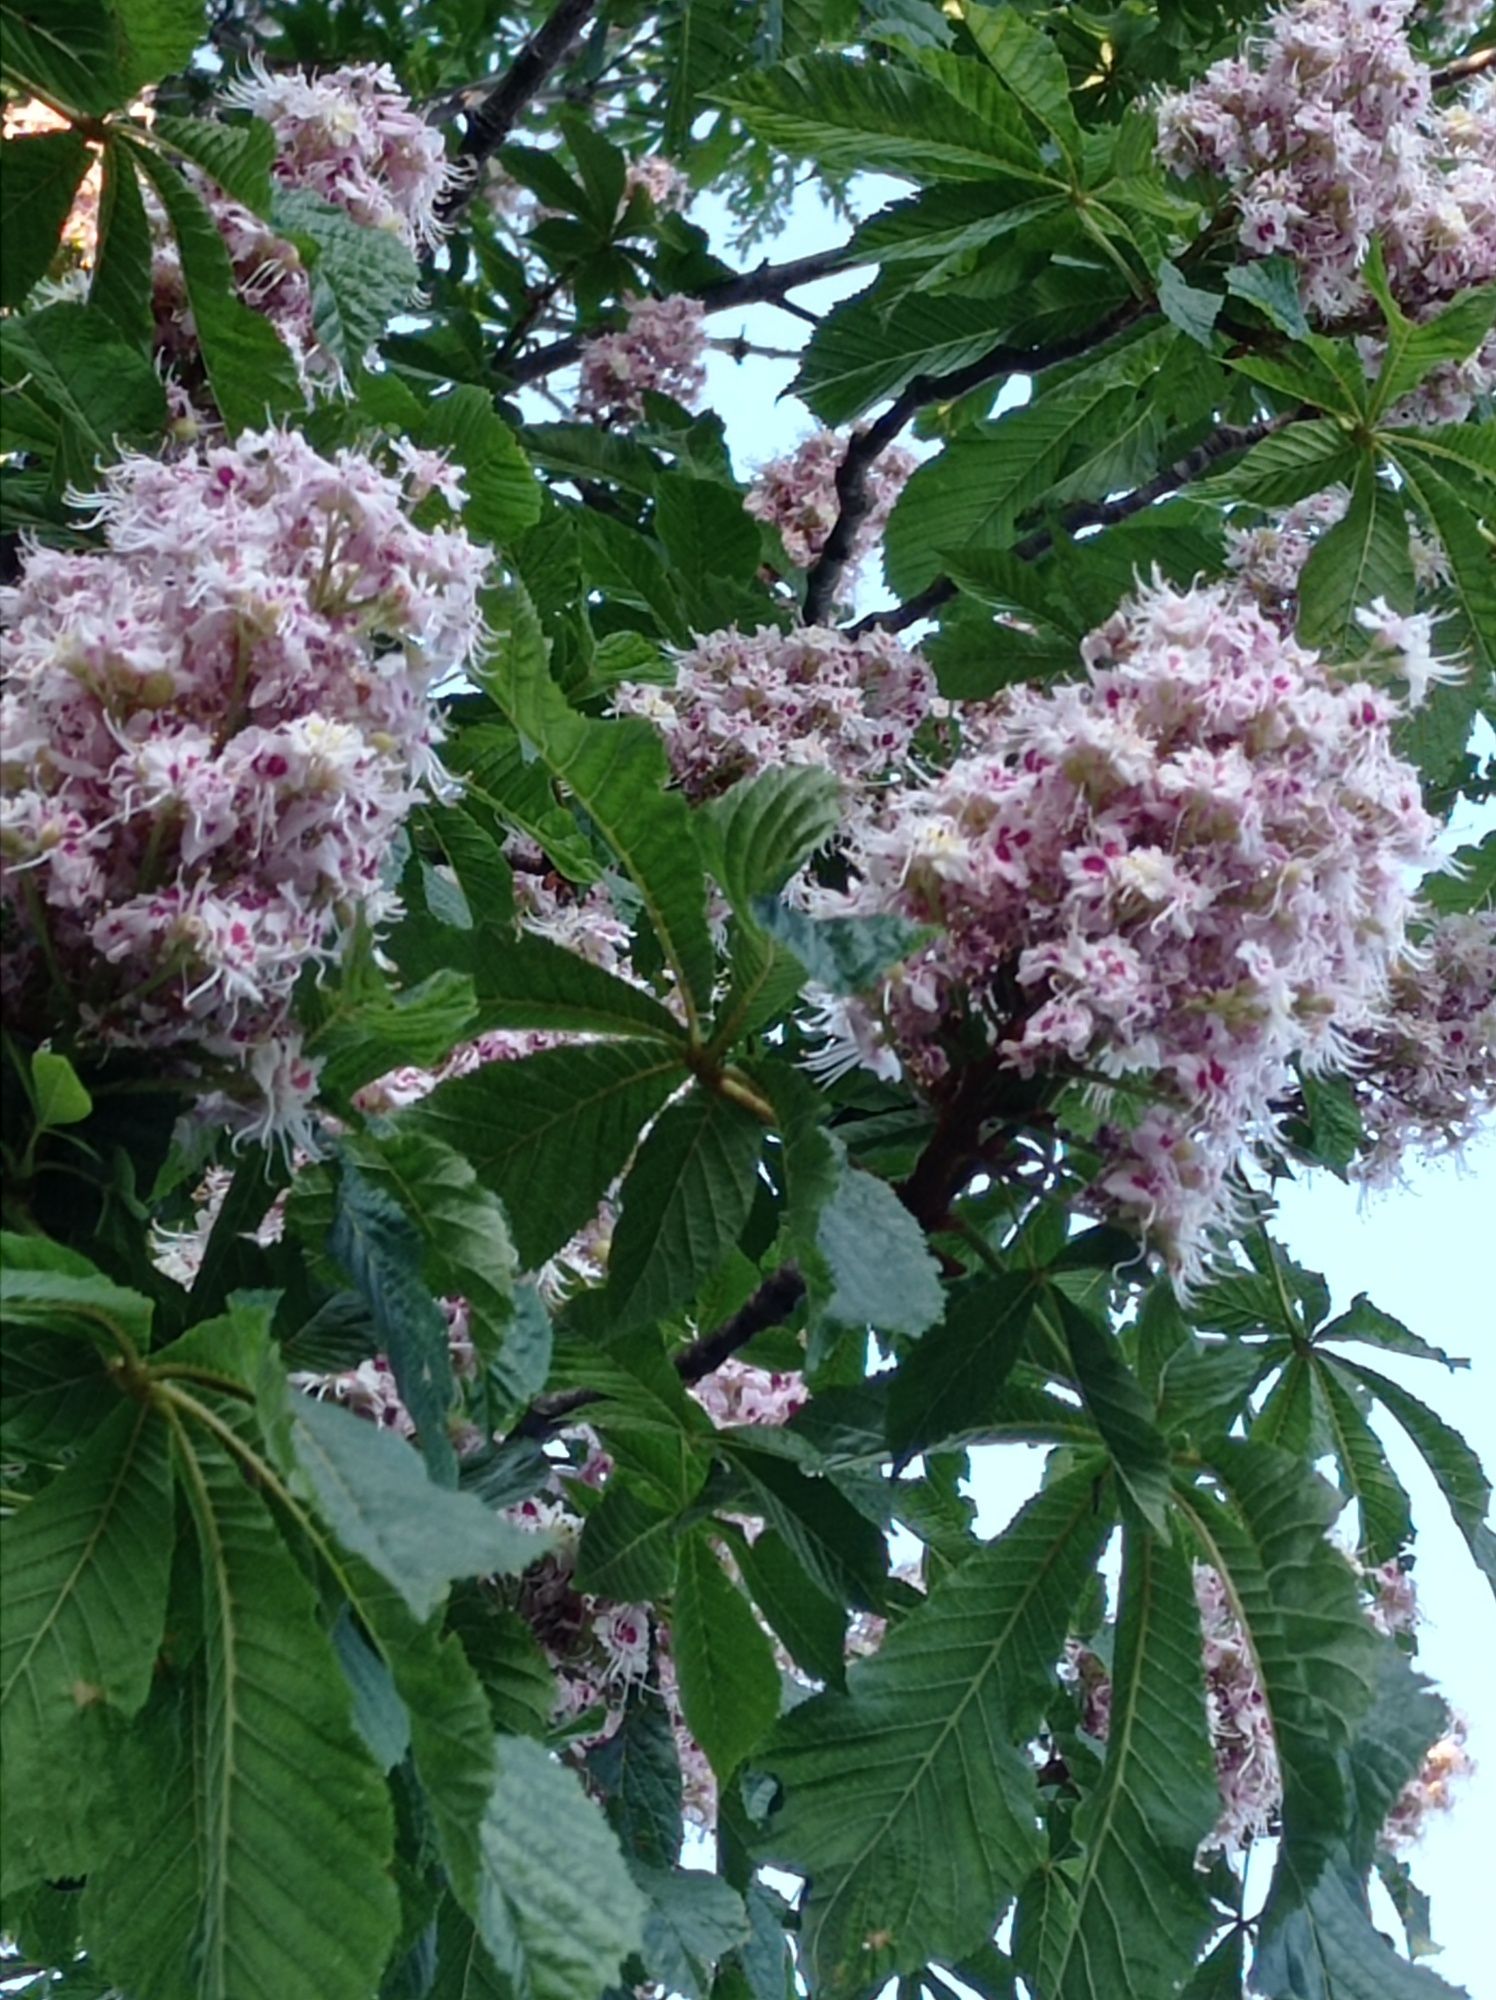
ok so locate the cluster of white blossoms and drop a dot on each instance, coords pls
(1426, 1078)
(745, 702)
(660, 349)
(349, 136)
(1240, 1724)
(213, 726)
(797, 495)
(1188, 869)
(1329, 136)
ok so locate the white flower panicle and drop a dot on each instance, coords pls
(1189, 868)
(1329, 137)
(754, 701)
(797, 495)
(213, 726)
(660, 349)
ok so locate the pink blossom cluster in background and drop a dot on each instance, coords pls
(660, 349)
(796, 494)
(1240, 1724)
(754, 701)
(1190, 867)
(740, 1393)
(1427, 1077)
(352, 136)
(213, 726)
(1330, 139)
(668, 189)
(1268, 559)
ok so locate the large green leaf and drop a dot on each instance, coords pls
(260, 1862)
(975, 493)
(237, 157)
(555, 1904)
(39, 175)
(863, 115)
(504, 497)
(879, 1266)
(616, 771)
(550, 1134)
(85, 1568)
(1031, 66)
(869, 347)
(1452, 503)
(627, 1549)
(693, 1920)
(374, 1493)
(729, 1684)
(360, 277)
(250, 372)
(1130, 1916)
(1299, 460)
(1122, 1411)
(758, 832)
(956, 1374)
(1386, 1513)
(1455, 1467)
(528, 982)
(78, 389)
(910, 1801)
(72, 53)
(121, 287)
(685, 1201)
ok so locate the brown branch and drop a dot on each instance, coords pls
(765, 284)
(491, 122)
(1225, 439)
(1461, 68)
(853, 498)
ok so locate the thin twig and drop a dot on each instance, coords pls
(1224, 439)
(853, 499)
(491, 122)
(1463, 67)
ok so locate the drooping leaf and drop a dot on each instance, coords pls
(628, 1546)
(1455, 1467)
(1122, 1413)
(1386, 1512)
(685, 1201)
(1133, 1912)
(881, 1271)
(909, 1801)
(39, 175)
(729, 1684)
(1365, 555)
(958, 1370)
(121, 287)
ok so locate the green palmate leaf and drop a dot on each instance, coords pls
(1364, 1322)
(374, 1494)
(85, 1568)
(238, 157)
(39, 175)
(975, 493)
(44, 1285)
(692, 1920)
(1130, 1915)
(1299, 1607)
(554, 1904)
(260, 1856)
(955, 1376)
(250, 372)
(1032, 67)
(685, 1201)
(860, 116)
(528, 982)
(467, 1250)
(1455, 1467)
(758, 833)
(1386, 1513)
(504, 497)
(617, 772)
(372, 1029)
(703, 528)
(72, 53)
(1122, 1412)
(868, 348)
(627, 1550)
(121, 287)
(1415, 347)
(841, 1550)
(513, 1673)
(160, 35)
(729, 1684)
(1272, 283)
(1288, 466)
(380, 1248)
(550, 1134)
(909, 1800)
(360, 277)
(1364, 556)
(880, 1269)
(52, 1390)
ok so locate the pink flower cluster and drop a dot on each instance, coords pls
(747, 702)
(668, 189)
(1329, 137)
(1445, 1764)
(352, 136)
(1188, 869)
(797, 495)
(213, 726)
(740, 1393)
(1269, 559)
(659, 349)
(1427, 1077)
